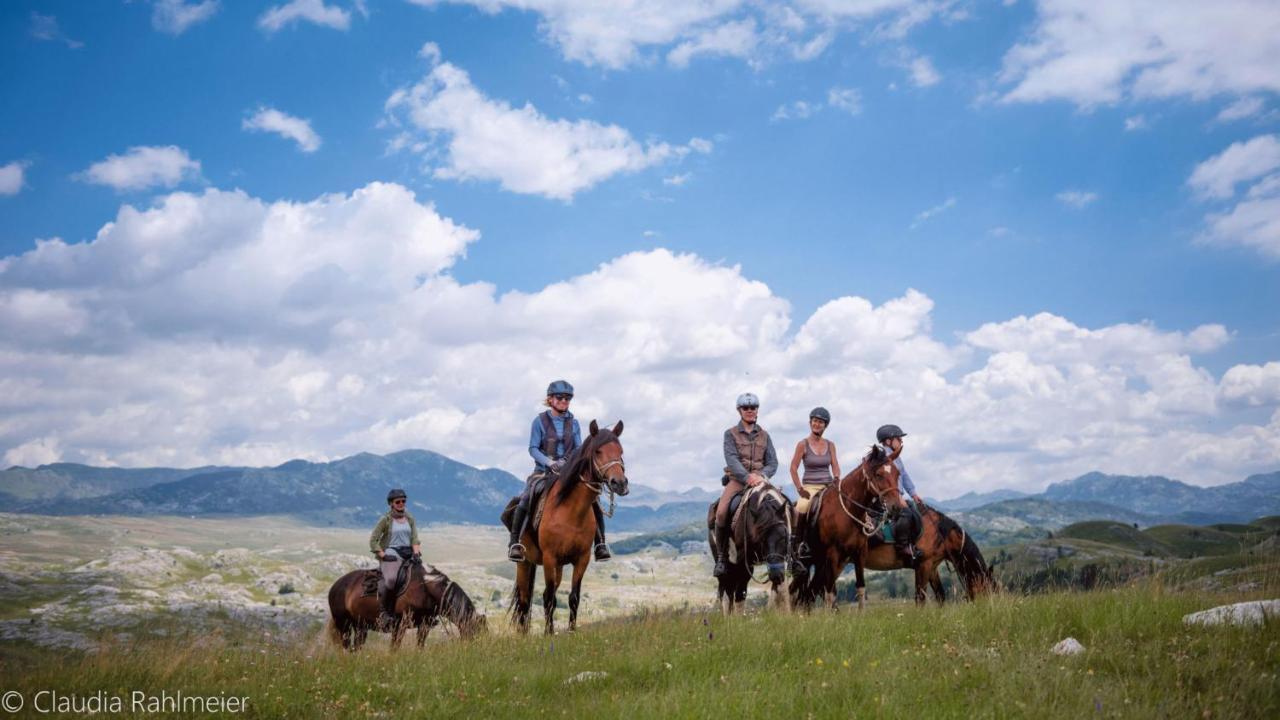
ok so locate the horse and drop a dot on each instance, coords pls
(763, 535)
(428, 594)
(567, 530)
(941, 540)
(847, 513)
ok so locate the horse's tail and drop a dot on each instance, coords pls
(335, 635)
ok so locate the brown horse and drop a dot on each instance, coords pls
(567, 531)
(429, 593)
(941, 540)
(763, 535)
(849, 511)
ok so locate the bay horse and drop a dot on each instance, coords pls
(354, 608)
(941, 540)
(763, 535)
(566, 533)
(849, 511)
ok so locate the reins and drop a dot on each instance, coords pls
(746, 538)
(868, 528)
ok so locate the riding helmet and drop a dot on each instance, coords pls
(820, 413)
(560, 387)
(748, 400)
(396, 494)
(889, 431)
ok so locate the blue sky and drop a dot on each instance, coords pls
(1001, 160)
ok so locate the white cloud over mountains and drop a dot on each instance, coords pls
(482, 138)
(219, 328)
(143, 167)
(1097, 53)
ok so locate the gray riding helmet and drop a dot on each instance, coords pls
(560, 387)
(747, 400)
(820, 413)
(887, 432)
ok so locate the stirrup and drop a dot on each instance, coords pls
(802, 550)
(516, 552)
(602, 552)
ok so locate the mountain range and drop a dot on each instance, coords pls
(351, 492)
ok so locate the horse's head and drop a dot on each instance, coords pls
(880, 476)
(769, 527)
(606, 458)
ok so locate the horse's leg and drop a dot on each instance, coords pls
(358, 636)
(860, 581)
(939, 592)
(424, 628)
(834, 562)
(525, 573)
(551, 575)
(575, 591)
(923, 570)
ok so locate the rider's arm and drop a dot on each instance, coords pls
(795, 464)
(835, 464)
(379, 532)
(535, 444)
(731, 459)
(907, 485)
(577, 433)
(770, 461)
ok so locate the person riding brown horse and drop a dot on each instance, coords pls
(427, 594)
(567, 528)
(848, 511)
(941, 541)
(761, 534)
(749, 460)
(555, 434)
(394, 541)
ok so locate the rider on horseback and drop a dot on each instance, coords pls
(554, 435)
(749, 460)
(394, 540)
(908, 523)
(821, 468)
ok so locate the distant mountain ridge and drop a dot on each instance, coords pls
(350, 491)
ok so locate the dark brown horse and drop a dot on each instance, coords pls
(941, 540)
(567, 530)
(429, 593)
(763, 535)
(849, 511)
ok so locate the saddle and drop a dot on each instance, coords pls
(737, 527)
(373, 576)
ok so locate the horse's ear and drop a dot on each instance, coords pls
(617, 429)
(594, 428)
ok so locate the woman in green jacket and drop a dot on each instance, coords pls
(394, 540)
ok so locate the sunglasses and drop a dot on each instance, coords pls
(562, 397)
(750, 408)
(397, 502)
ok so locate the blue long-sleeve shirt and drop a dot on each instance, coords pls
(540, 459)
(904, 478)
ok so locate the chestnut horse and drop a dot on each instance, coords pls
(763, 536)
(354, 609)
(941, 540)
(849, 511)
(567, 531)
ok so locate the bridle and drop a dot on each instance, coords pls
(599, 482)
(785, 521)
(868, 527)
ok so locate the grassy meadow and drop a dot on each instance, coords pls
(985, 659)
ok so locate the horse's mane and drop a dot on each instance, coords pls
(970, 559)
(579, 460)
(875, 456)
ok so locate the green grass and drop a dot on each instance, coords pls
(985, 659)
(1191, 540)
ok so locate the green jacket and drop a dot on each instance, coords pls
(382, 532)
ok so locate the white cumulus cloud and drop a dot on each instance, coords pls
(1254, 220)
(483, 138)
(143, 167)
(1094, 53)
(317, 12)
(12, 177)
(1077, 198)
(176, 16)
(267, 119)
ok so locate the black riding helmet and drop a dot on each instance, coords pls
(820, 413)
(887, 432)
(396, 494)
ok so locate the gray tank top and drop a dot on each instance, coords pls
(817, 468)
(401, 534)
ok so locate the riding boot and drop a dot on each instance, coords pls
(722, 550)
(386, 606)
(602, 549)
(515, 551)
(799, 550)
